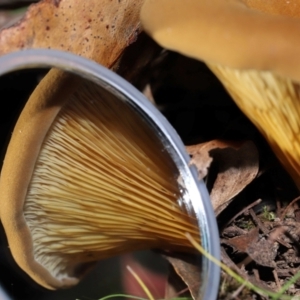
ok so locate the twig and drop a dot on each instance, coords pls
(276, 279)
(288, 207)
(266, 231)
(256, 275)
(258, 222)
(228, 262)
(238, 291)
(243, 211)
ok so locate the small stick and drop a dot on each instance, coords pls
(228, 262)
(238, 291)
(276, 279)
(263, 228)
(256, 275)
(288, 207)
(256, 220)
(243, 211)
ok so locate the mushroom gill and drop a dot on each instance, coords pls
(100, 184)
(253, 47)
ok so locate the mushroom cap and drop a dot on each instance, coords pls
(15, 181)
(252, 46)
(92, 180)
(272, 103)
(275, 7)
(229, 33)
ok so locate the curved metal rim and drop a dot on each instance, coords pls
(88, 69)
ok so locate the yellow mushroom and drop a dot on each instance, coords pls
(85, 178)
(253, 47)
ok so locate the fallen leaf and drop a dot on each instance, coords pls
(175, 286)
(200, 155)
(188, 268)
(238, 165)
(99, 30)
(263, 252)
(242, 242)
(237, 168)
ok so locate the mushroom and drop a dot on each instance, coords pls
(253, 47)
(85, 178)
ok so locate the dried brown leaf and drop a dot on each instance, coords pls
(238, 165)
(263, 252)
(200, 155)
(96, 29)
(242, 242)
(189, 270)
(175, 286)
(237, 168)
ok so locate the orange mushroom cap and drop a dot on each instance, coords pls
(253, 47)
(229, 33)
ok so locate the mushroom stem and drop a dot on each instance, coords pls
(92, 180)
